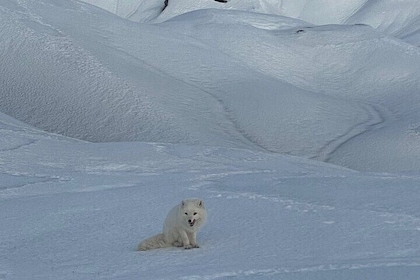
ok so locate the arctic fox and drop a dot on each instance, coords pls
(180, 228)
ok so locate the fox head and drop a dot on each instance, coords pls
(193, 213)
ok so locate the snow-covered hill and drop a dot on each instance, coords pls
(213, 77)
(394, 17)
(106, 123)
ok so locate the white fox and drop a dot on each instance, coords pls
(180, 228)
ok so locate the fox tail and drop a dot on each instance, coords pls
(151, 243)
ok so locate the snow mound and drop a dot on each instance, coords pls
(211, 77)
(217, 94)
(394, 17)
(135, 10)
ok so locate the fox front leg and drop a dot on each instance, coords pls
(185, 240)
(192, 236)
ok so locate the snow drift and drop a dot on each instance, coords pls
(210, 77)
(396, 18)
(211, 100)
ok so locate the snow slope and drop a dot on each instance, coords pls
(137, 10)
(351, 63)
(76, 210)
(213, 77)
(394, 17)
(211, 101)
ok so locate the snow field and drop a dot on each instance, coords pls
(207, 103)
(76, 210)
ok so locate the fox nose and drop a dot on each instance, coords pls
(189, 221)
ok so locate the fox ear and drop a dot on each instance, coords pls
(182, 203)
(201, 203)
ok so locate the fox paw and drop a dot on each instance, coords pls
(191, 246)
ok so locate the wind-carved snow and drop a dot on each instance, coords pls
(293, 218)
(210, 101)
(224, 78)
(400, 19)
(375, 120)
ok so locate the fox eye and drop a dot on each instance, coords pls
(195, 213)
(186, 213)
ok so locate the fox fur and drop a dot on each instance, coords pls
(180, 227)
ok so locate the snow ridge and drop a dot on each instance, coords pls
(375, 121)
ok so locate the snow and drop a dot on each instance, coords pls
(194, 79)
(394, 17)
(76, 210)
(296, 122)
